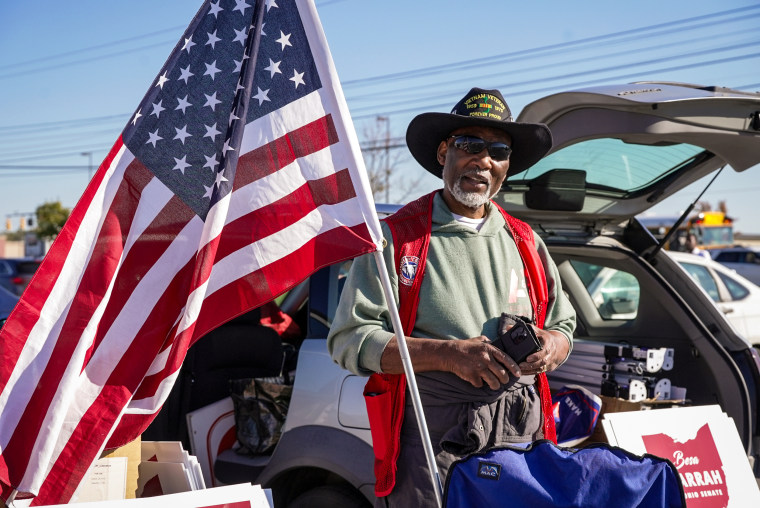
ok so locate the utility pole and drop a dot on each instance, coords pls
(89, 166)
(387, 121)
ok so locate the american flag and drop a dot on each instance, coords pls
(237, 177)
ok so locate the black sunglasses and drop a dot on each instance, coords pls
(497, 150)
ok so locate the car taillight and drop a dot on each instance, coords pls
(18, 281)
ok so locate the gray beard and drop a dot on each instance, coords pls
(470, 199)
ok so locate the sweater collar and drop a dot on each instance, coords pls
(444, 221)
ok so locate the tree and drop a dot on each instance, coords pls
(50, 219)
(382, 157)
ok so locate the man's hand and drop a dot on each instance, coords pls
(555, 349)
(475, 360)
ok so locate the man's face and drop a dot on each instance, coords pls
(470, 180)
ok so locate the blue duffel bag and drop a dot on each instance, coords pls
(542, 474)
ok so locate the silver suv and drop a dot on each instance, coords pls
(618, 151)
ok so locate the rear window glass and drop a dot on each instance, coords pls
(736, 290)
(613, 163)
(703, 277)
(615, 293)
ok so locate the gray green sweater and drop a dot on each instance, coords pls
(470, 278)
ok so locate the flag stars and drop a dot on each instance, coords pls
(284, 40)
(157, 108)
(183, 104)
(215, 9)
(233, 117)
(181, 164)
(211, 70)
(211, 162)
(182, 134)
(153, 138)
(220, 179)
(239, 63)
(274, 68)
(212, 39)
(240, 36)
(161, 80)
(202, 162)
(297, 78)
(185, 74)
(262, 95)
(212, 101)
(188, 44)
(241, 5)
(211, 131)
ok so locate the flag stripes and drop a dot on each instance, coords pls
(122, 259)
(284, 150)
(27, 312)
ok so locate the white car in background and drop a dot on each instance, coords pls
(745, 260)
(737, 297)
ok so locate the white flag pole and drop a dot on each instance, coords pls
(359, 177)
(398, 329)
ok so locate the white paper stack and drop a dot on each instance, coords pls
(703, 444)
(166, 468)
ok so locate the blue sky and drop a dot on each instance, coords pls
(72, 73)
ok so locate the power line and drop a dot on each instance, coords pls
(556, 79)
(58, 56)
(52, 168)
(409, 74)
(593, 57)
(62, 123)
(36, 174)
(532, 51)
(54, 155)
(36, 128)
(89, 49)
(85, 60)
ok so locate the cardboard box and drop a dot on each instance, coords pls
(610, 405)
(132, 452)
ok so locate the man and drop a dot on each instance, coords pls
(453, 282)
(692, 246)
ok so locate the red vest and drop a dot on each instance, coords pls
(385, 393)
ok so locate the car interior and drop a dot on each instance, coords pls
(242, 348)
(650, 314)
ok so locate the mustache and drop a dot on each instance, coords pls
(483, 175)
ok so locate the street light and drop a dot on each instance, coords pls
(89, 158)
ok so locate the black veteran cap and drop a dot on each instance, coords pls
(530, 141)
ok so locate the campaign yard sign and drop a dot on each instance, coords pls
(699, 466)
(703, 444)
